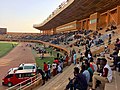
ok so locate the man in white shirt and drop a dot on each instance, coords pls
(105, 77)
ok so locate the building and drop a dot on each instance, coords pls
(81, 14)
(3, 30)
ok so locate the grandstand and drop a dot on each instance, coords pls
(72, 26)
(80, 14)
(99, 16)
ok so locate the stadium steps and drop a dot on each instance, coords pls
(59, 81)
(115, 84)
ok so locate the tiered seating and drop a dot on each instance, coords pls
(115, 84)
(59, 82)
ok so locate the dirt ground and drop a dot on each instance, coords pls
(20, 54)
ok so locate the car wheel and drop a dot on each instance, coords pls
(9, 84)
(3, 83)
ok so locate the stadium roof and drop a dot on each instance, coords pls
(76, 10)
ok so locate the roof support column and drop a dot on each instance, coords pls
(81, 24)
(87, 24)
(118, 15)
(94, 21)
(54, 30)
(108, 18)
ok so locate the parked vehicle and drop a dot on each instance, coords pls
(30, 66)
(19, 74)
(15, 77)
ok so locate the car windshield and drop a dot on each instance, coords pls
(20, 68)
(29, 67)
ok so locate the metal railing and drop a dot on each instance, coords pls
(26, 83)
(55, 12)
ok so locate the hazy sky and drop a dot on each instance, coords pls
(20, 15)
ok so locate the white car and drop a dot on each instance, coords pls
(28, 66)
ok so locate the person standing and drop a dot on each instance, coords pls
(49, 69)
(54, 67)
(46, 70)
(42, 74)
(67, 58)
(87, 65)
(74, 58)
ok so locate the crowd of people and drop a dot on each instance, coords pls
(49, 70)
(94, 69)
(88, 68)
(54, 39)
(94, 39)
(90, 71)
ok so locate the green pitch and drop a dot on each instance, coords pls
(6, 47)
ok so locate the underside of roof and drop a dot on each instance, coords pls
(78, 10)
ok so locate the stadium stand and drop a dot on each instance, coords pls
(90, 33)
(93, 49)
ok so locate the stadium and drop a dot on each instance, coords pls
(78, 48)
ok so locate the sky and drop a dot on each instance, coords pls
(20, 15)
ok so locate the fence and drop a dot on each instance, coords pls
(27, 83)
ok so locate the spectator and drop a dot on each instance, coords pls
(87, 64)
(93, 64)
(78, 82)
(78, 65)
(59, 69)
(99, 66)
(46, 70)
(54, 67)
(106, 50)
(61, 62)
(58, 55)
(56, 61)
(86, 73)
(66, 58)
(89, 55)
(109, 39)
(105, 77)
(118, 64)
(74, 58)
(49, 69)
(42, 54)
(115, 58)
(42, 74)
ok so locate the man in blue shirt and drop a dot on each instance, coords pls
(79, 81)
(85, 73)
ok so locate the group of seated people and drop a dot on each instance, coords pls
(54, 39)
(90, 72)
(95, 39)
(116, 55)
(112, 27)
(96, 71)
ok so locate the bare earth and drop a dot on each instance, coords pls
(20, 54)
